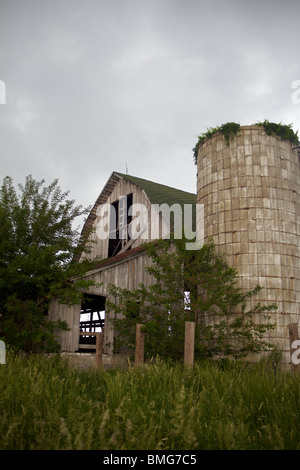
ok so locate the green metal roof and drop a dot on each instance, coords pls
(156, 192)
(159, 193)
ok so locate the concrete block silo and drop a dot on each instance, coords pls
(251, 195)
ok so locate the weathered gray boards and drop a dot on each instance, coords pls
(123, 263)
(2, 353)
(251, 195)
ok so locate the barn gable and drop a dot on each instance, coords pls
(122, 261)
(125, 190)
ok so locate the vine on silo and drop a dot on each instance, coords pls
(285, 132)
(229, 131)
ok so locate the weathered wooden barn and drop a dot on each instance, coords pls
(126, 214)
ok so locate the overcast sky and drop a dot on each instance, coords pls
(95, 85)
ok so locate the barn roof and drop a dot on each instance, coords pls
(157, 194)
(160, 193)
(120, 257)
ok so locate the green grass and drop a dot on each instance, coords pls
(44, 404)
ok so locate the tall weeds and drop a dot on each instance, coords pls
(44, 404)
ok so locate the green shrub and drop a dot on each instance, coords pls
(229, 131)
(285, 132)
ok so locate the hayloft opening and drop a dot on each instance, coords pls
(92, 318)
(119, 222)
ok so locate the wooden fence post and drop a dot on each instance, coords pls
(294, 347)
(99, 347)
(2, 353)
(139, 346)
(189, 342)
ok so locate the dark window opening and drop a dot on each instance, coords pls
(92, 317)
(119, 222)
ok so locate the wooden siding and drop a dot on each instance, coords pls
(68, 340)
(127, 273)
(122, 188)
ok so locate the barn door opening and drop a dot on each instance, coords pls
(92, 318)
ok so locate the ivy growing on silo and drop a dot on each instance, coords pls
(284, 131)
(229, 131)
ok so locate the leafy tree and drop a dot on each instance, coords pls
(190, 286)
(38, 245)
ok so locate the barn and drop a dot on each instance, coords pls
(128, 212)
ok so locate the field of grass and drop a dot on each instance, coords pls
(46, 405)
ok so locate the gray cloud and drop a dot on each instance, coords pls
(95, 85)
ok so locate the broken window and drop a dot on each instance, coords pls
(187, 300)
(92, 319)
(119, 222)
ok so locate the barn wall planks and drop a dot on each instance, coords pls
(128, 273)
(122, 188)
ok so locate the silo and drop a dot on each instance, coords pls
(250, 189)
